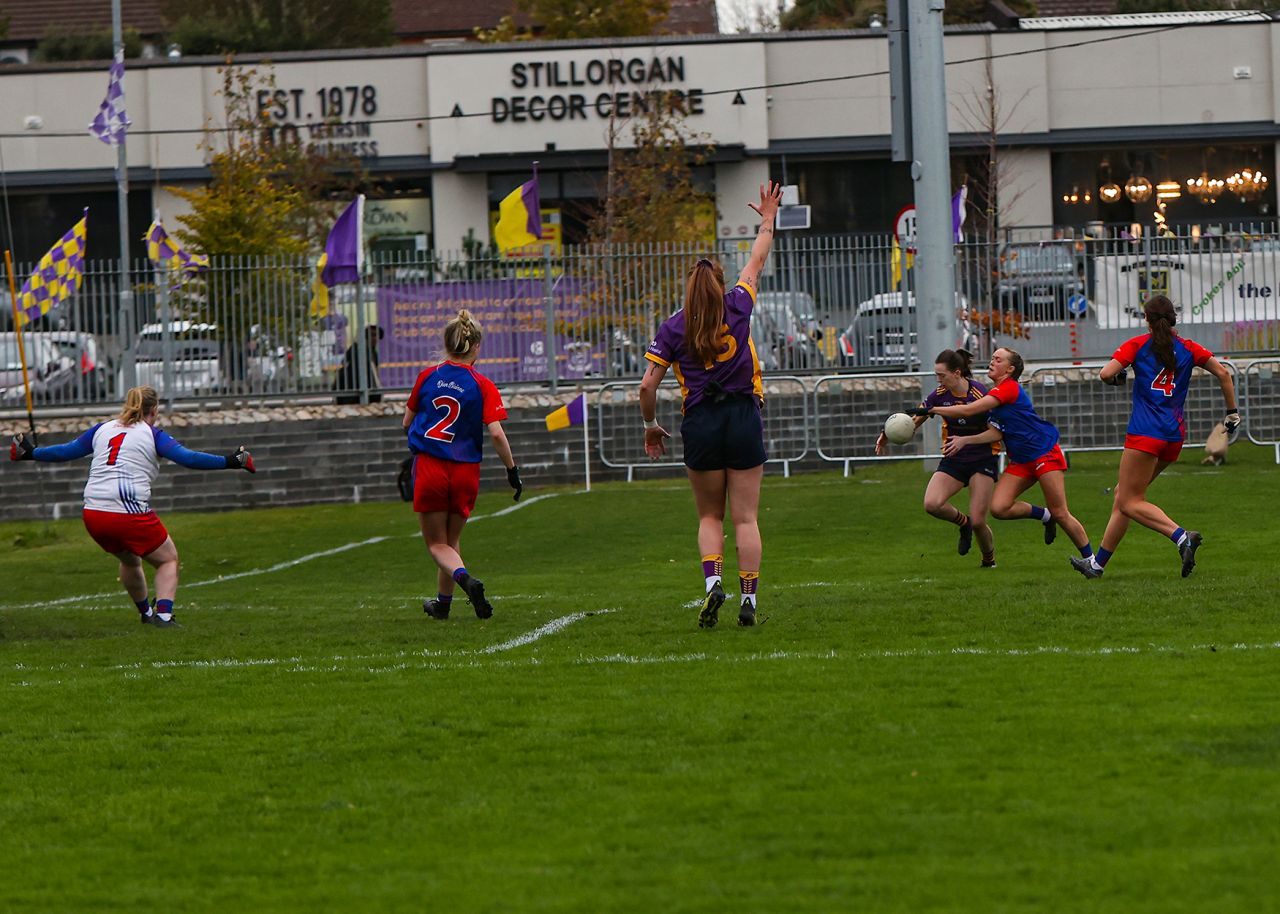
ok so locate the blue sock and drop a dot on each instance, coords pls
(1178, 536)
(459, 573)
(164, 607)
(1039, 513)
(1102, 556)
(1086, 551)
(143, 606)
(444, 599)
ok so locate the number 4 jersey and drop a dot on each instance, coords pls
(1158, 393)
(452, 404)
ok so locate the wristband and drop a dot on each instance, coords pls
(650, 423)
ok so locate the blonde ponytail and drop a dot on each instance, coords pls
(138, 403)
(462, 335)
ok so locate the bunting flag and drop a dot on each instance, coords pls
(896, 263)
(571, 413)
(344, 249)
(112, 123)
(163, 250)
(519, 217)
(57, 275)
(319, 291)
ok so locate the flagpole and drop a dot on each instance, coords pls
(586, 437)
(22, 350)
(129, 366)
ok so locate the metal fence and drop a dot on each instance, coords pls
(255, 326)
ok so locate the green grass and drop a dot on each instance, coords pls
(906, 733)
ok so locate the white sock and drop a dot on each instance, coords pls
(165, 617)
(712, 582)
(1093, 562)
(749, 598)
(1182, 539)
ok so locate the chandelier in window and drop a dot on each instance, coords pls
(1205, 189)
(1138, 189)
(1248, 184)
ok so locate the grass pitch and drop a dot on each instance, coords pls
(906, 733)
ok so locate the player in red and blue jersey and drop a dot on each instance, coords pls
(708, 343)
(976, 467)
(1032, 445)
(1162, 364)
(126, 455)
(449, 409)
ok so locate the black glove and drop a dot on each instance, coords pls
(22, 447)
(918, 411)
(1232, 421)
(404, 479)
(1117, 379)
(513, 480)
(241, 460)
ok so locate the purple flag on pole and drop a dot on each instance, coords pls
(112, 123)
(958, 212)
(345, 247)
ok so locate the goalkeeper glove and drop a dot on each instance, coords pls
(21, 448)
(918, 411)
(1232, 421)
(513, 480)
(1117, 379)
(241, 460)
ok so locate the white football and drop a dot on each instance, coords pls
(899, 428)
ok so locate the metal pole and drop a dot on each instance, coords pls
(361, 343)
(553, 370)
(931, 173)
(126, 328)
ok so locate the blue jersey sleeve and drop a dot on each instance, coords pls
(72, 450)
(168, 447)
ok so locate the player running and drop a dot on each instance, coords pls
(1162, 363)
(709, 344)
(117, 497)
(449, 408)
(1033, 450)
(976, 467)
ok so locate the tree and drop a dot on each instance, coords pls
(554, 19)
(244, 26)
(857, 14)
(62, 44)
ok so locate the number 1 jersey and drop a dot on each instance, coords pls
(1159, 394)
(452, 404)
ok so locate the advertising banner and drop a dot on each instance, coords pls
(1208, 287)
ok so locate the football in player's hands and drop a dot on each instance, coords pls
(917, 411)
(241, 460)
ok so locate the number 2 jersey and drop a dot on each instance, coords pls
(126, 461)
(452, 404)
(1159, 394)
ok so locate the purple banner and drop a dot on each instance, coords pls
(511, 313)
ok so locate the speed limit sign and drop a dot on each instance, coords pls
(904, 228)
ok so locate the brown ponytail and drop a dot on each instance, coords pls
(138, 403)
(704, 310)
(960, 360)
(1161, 316)
(462, 335)
(1016, 360)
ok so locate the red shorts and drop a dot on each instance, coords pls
(140, 534)
(1034, 469)
(1163, 450)
(444, 485)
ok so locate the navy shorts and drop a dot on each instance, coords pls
(725, 435)
(963, 470)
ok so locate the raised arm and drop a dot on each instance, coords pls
(770, 199)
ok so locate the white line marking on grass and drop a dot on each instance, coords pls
(280, 566)
(542, 631)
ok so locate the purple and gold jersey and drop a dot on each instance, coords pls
(1159, 394)
(1026, 435)
(736, 369)
(961, 428)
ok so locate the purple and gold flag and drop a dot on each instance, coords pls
(519, 217)
(162, 249)
(112, 123)
(569, 414)
(57, 275)
(344, 249)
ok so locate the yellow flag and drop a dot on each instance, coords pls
(319, 291)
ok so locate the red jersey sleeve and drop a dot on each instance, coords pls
(412, 403)
(494, 410)
(1006, 391)
(1128, 350)
(1199, 354)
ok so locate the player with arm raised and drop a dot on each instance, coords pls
(977, 467)
(449, 409)
(708, 343)
(1033, 450)
(1162, 362)
(117, 497)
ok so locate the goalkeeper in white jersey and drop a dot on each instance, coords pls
(117, 498)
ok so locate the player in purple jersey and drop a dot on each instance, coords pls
(1032, 445)
(448, 411)
(708, 343)
(976, 467)
(1162, 363)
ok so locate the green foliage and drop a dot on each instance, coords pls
(66, 44)
(4, 25)
(244, 26)
(555, 19)
(856, 14)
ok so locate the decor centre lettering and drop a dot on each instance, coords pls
(625, 87)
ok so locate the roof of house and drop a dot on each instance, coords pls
(1049, 8)
(29, 22)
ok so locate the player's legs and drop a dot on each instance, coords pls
(981, 489)
(445, 580)
(1137, 470)
(443, 549)
(1004, 499)
(938, 493)
(744, 507)
(709, 488)
(132, 576)
(165, 560)
(1054, 486)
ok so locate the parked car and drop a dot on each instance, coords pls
(875, 338)
(82, 349)
(51, 374)
(196, 354)
(783, 343)
(1036, 280)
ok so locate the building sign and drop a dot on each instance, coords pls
(602, 87)
(332, 120)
